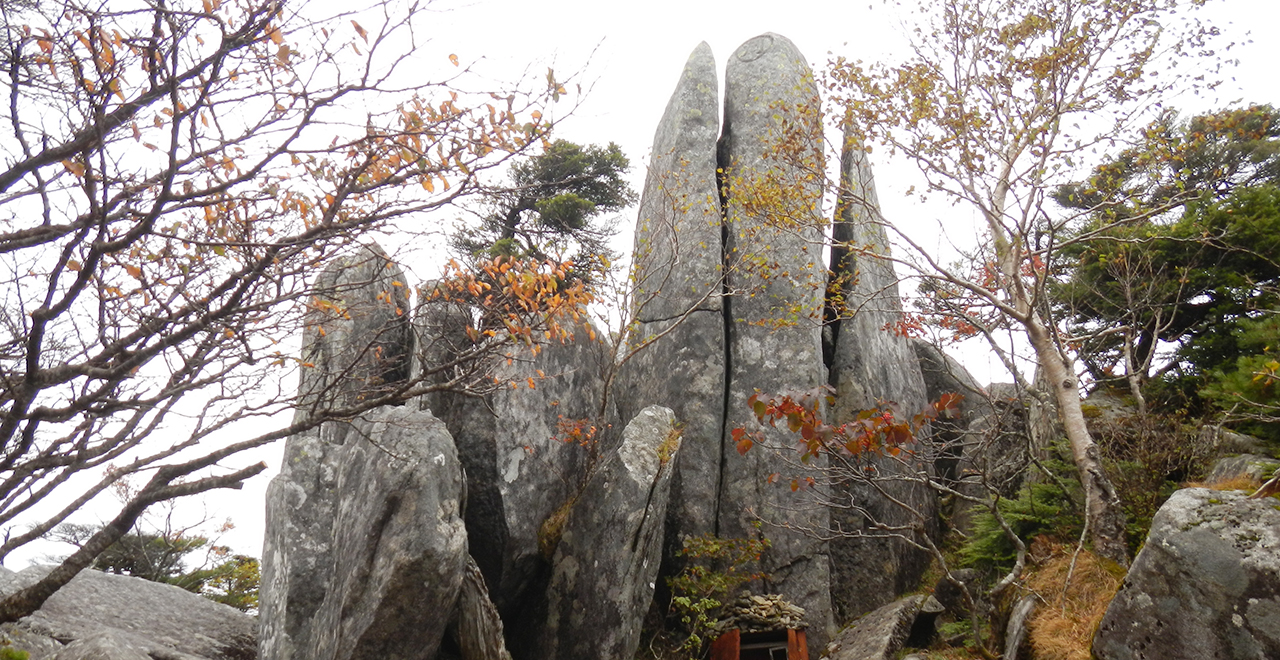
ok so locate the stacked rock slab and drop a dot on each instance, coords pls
(770, 149)
(606, 561)
(872, 366)
(1205, 585)
(679, 344)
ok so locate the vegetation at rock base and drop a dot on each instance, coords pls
(715, 569)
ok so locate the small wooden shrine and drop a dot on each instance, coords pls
(761, 628)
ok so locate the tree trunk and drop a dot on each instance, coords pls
(1103, 514)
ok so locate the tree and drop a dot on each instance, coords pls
(1000, 102)
(553, 207)
(1190, 276)
(165, 555)
(178, 173)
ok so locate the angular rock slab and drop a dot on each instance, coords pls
(396, 551)
(771, 146)
(606, 562)
(130, 617)
(879, 635)
(677, 248)
(1205, 585)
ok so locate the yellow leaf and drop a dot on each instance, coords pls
(453, 58)
(274, 33)
(73, 167)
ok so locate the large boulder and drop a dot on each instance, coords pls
(117, 617)
(873, 365)
(395, 554)
(678, 345)
(769, 150)
(1205, 585)
(606, 561)
(879, 635)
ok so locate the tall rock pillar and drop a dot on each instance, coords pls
(872, 365)
(678, 359)
(771, 155)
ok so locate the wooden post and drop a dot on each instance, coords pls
(726, 646)
(797, 648)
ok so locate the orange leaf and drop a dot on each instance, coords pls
(133, 271)
(453, 58)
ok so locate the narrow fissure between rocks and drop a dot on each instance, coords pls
(726, 311)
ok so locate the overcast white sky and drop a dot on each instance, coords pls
(630, 55)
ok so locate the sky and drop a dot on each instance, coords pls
(628, 56)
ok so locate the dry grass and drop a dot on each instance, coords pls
(1241, 482)
(1062, 627)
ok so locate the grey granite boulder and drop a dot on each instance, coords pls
(606, 561)
(1205, 585)
(1249, 466)
(880, 635)
(873, 365)
(770, 148)
(297, 552)
(117, 617)
(396, 549)
(678, 344)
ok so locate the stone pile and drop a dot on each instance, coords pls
(767, 613)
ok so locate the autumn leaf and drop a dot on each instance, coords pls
(453, 58)
(360, 31)
(73, 167)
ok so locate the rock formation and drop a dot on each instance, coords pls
(872, 364)
(607, 558)
(678, 296)
(98, 615)
(1205, 585)
(769, 150)
(395, 550)
(565, 542)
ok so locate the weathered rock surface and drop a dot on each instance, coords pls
(772, 141)
(1248, 466)
(1205, 585)
(678, 258)
(879, 635)
(117, 617)
(872, 366)
(606, 561)
(677, 245)
(358, 340)
(396, 551)
(520, 469)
